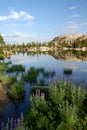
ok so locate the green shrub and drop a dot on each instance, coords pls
(62, 109)
(16, 91)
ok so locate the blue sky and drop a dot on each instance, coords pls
(41, 20)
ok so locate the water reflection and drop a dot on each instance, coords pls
(51, 61)
(56, 62)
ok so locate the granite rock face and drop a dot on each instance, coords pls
(70, 38)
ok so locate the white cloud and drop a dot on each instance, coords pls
(72, 7)
(17, 15)
(3, 18)
(76, 15)
(72, 26)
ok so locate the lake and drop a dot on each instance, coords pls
(49, 63)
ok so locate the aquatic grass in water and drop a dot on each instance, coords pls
(17, 68)
(48, 73)
(68, 71)
(33, 73)
(41, 82)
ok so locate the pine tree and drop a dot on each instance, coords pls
(1, 40)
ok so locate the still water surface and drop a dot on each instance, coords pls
(49, 63)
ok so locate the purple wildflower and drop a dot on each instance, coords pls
(22, 117)
(2, 126)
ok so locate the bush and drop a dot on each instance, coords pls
(16, 91)
(62, 109)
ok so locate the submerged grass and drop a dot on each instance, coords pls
(33, 73)
(68, 71)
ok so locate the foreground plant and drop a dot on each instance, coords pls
(64, 108)
(17, 91)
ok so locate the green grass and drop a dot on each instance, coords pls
(7, 79)
(3, 67)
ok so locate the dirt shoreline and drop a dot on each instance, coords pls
(3, 99)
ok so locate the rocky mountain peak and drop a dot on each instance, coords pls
(70, 38)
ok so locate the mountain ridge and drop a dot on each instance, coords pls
(69, 38)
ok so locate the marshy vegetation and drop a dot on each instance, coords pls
(33, 73)
(15, 68)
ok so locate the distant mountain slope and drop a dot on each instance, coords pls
(71, 40)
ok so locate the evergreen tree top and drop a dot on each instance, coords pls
(2, 39)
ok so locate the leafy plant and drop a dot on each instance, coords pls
(16, 91)
(62, 109)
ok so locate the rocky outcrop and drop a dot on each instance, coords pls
(70, 38)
